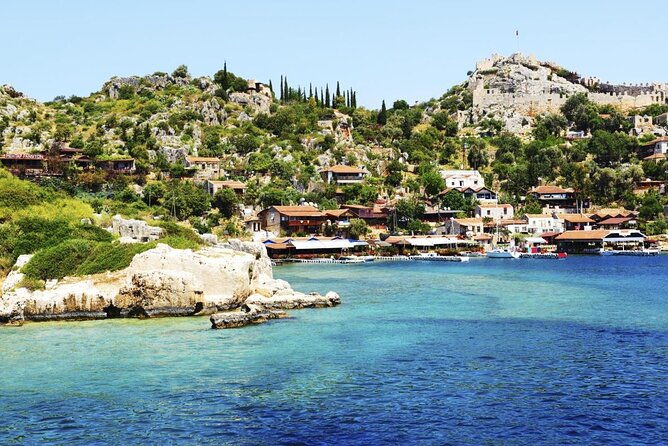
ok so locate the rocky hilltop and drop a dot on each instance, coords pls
(516, 89)
(161, 282)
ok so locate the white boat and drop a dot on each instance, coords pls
(499, 253)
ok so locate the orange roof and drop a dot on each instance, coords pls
(340, 168)
(299, 211)
(551, 190)
(337, 212)
(576, 218)
(202, 159)
(491, 206)
(656, 156)
(539, 215)
(482, 237)
(232, 184)
(598, 234)
(657, 140)
(612, 212)
(469, 221)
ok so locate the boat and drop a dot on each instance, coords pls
(501, 253)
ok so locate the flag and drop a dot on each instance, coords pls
(517, 33)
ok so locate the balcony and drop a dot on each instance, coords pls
(304, 222)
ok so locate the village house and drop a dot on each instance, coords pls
(465, 227)
(655, 150)
(576, 222)
(292, 219)
(480, 194)
(339, 217)
(496, 212)
(213, 186)
(540, 223)
(556, 199)
(204, 168)
(617, 223)
(375, 216)
(29, 164)
(121, 165)
(462, 179)
(341, 174)
(605, 213)
(641, 124)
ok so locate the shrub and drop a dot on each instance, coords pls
(58, 261)
(111, 257)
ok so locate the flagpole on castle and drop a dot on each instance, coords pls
(517, 38)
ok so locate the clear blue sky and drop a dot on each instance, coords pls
(413, 50)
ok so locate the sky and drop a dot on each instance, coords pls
(385, 50)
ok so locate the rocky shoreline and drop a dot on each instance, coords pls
(233, 282)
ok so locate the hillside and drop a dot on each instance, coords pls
(511, 119)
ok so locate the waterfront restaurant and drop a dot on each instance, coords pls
(312, 246)
(595, 241)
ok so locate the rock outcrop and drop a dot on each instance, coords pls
(162, 281)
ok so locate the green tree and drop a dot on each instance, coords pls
(382, 115)
(358, 228)
(581, 112)
(432, 182)
(181, 71)
(454, 200)
(552, 124)
(651, 206)
(226, 201)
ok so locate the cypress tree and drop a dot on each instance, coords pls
(281, 96)
(327, 101)
(286, 95)
(338, 89)
(382, 116)
(271, 87)
(322, 97)
(310, 90)
(353, 102)
(226, 82)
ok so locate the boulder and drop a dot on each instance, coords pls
(246, 315)
(288, 300)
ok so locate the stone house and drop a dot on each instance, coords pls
(465, 227)
(205, 168)
(213, 186)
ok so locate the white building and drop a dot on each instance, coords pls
(540, 223)
(496, 212)
(462, 179)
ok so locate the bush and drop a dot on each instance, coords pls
(81, 257)
(110, 257)
(58, 261)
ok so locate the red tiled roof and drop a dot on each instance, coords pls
(298, 211)
(551, 190)
(340, 168)
(614, 221)
(598, 234)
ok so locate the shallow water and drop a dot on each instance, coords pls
(489, 352)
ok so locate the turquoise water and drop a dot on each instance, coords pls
(517, 352)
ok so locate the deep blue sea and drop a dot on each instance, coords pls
(493, 352)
